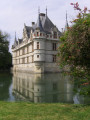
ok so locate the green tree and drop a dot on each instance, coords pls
(5, 55)
(75, 49)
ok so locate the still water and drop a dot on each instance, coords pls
(38, 88)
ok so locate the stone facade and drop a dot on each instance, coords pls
(36, 51)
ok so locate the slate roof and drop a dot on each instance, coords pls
(28, 29)
(20, 41)
(44, 24)
(39, 24)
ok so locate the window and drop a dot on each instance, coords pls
(19, 60)
(54, 58)
(40, 34)
(55, 35)
(16, 61)
(19, 52)
(32, 47)
(23, 60)
(23, 51)
(54, 46)
(37, 45)
(37, 56)
(16, 53)
(32, 59)
(37, 33)
(27, 59)
(27, 49)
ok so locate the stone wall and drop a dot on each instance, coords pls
(38, 67)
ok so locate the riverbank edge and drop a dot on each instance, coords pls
(43, 111)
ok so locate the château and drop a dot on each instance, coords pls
(36, 52)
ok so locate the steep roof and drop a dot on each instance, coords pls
(28, 29)
(39, 24)
(45, 23)
(20, 41)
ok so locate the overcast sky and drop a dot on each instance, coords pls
(14, 13)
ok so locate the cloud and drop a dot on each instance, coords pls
(14, 13)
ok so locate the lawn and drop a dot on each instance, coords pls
(31, 111)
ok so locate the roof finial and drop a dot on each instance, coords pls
(66, 26)
(46, 10)
(66, 16)
(15, 36)
(38, 10)
(24, 24)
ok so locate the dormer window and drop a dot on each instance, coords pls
(37, 33)
(55, 35)
(40, 34)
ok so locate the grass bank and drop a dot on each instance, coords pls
(29, 111)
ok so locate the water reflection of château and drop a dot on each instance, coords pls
(43, 87)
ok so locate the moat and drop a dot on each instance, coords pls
(39, 88)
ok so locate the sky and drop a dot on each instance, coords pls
(14, 13)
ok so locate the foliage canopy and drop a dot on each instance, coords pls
(5, 55)
(74, 49)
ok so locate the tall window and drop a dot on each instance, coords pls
(23, 60)
(27, 49)
(37, 33)
(40, 34)
(27, 59)
(32, 59)
(19, 60)
(37, 45)
(23, 51)
(55, 35)
(54, 58)
(19, 52)
(32, 47)
(54, 46)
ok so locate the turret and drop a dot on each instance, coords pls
(66, 26)
(15, 41)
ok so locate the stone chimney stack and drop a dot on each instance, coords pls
(33, 24)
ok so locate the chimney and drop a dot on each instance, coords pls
(33, 24)
(42, 14)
